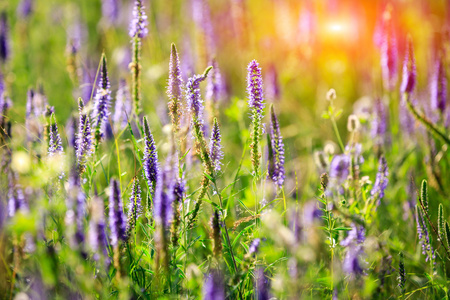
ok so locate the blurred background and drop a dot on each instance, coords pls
(304, 48)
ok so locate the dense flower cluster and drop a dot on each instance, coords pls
(139, 23)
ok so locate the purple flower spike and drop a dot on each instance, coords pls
(340, 168)
(438, 87)
(276, 164)
(4, 38)
(409, 69)
(215, 147)
(175, 88)
(255, 87)
(54, 141)
(117, 222)
(150, 159)
(381, 181)
(84, 136)
(138, 25)
(123, 107)
(102, 102)
(135, 206)
(194, 98)
(389, 51)
(213, 287)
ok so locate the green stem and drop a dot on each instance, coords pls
(136, 74)
(426, 122)
(336, 131)
(224, 225)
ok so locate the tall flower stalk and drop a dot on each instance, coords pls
(102, 103)
(150, 159)
(54, 142)
(175, 89)
(276, 159)
(138, 30)
(117, 223)
(256, 105)
(215, 147)
(84, 147)
(134, 207)
(195, 106)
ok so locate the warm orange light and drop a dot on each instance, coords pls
(336, 27)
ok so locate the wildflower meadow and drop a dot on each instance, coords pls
(214, 149)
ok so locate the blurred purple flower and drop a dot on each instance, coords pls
(276, 161)
(97, 229)
(4, 38)
(379, 122)
(272, 84)
(123, 106)
(215, 147)
(409, 69)
(357, 235)
(139, 23)
(352, 264)
(253, 249)
(215, 88)
(340, 168)
(75, 37)
(71, 132)
(76, 214)
(389, 51)
(164, 193)
(381, 180)
(110, 10)
(16, 197)
(438, 87)
(117, 223)
(25, 8)
(262, 284)
(202, 18)
(255, 87)
(354, 244)
(213, 287)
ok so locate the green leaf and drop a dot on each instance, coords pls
(342, 229)
(325, 115)
(338, 113)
